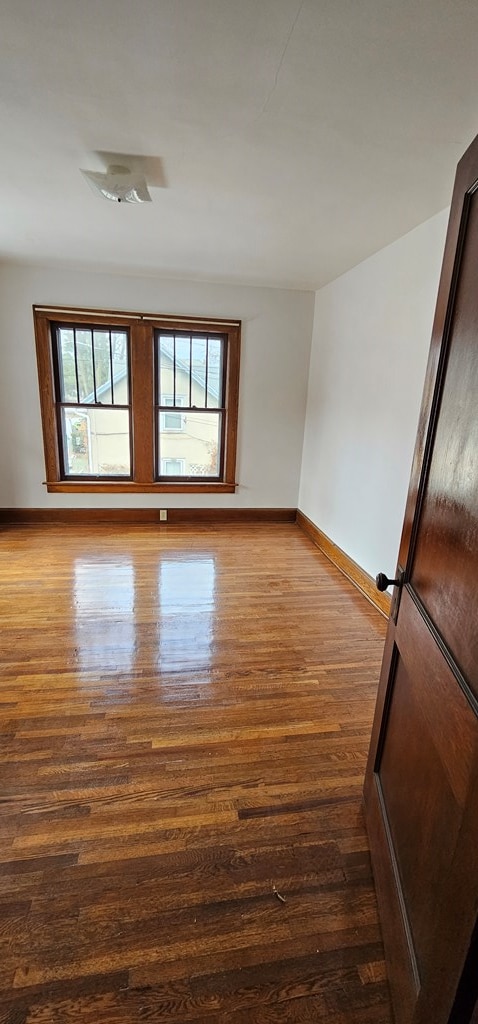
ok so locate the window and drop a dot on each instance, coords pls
(189, 368)
(172, 467)
(91, 370)
(134, 402)
(172, 420)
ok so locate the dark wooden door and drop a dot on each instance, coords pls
(421, 789)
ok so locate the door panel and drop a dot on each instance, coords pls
(424, 772)
(421, 788)
(445, 566)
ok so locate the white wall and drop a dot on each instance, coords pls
(277, 330)
(371, 335)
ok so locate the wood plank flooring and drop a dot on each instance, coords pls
(185, 721)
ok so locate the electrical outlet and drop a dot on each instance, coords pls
(163, 515)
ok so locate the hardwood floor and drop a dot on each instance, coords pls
(186, 715)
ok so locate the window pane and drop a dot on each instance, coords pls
(214, 373)
(84, 356)
(172, 421)
(101, 341)
(198, 396)
(183, 363)
(96, 442)
(119, 345)
(165, 365)
(66, 365)
(76, 366)
(196, 446)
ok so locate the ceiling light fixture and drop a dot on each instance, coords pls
(119, 185)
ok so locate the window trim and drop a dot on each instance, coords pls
(141, 328)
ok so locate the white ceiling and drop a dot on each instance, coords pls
(295, 138)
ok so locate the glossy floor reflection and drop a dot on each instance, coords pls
(104, 596)
(186, 606)
(185, 720)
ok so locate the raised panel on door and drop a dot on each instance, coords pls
(445, 565)
(424, 770)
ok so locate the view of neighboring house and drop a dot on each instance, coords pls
(97, 440)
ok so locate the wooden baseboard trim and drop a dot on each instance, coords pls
(347, 566)
(232, 515)
(139, 516)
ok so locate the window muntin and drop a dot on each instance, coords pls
(76, 385)
(92, 400)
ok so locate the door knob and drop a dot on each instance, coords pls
(382, 581)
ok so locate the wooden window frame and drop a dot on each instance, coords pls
(141, 328)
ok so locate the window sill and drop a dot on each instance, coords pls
(131, 487)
